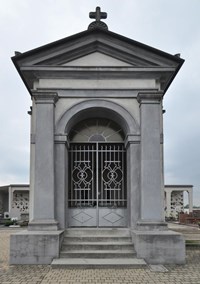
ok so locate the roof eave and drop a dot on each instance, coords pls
(20, 74)
(174, 75)
(18, 57)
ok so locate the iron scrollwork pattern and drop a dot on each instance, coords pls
(112, 175)
(82, 175)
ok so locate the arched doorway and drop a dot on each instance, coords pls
(97, 192)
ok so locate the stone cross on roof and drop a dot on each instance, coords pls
(98, 15)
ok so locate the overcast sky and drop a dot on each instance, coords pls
(170, 25)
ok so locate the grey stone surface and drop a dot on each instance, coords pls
(44, 274)
(91, 108)
(43, 225)
(157, 268)
(43, 195)
(160, 247)
(98, 263)
(151, 226)
(133, 182)
(61, 175)
(152, 189)
(32, 247)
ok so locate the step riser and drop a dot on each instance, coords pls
(97, 243)
(93, 232)
(98, 266)
(96, 239)
(97, 255)
(97, 247)
(98, 263)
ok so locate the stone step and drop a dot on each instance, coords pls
(96, 238)
(98, 263)
(98, 232)
(96, 246)
(98, 254)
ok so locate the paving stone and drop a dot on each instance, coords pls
(157, 268)
(44, 274)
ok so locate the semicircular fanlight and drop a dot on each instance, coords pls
(96, 130)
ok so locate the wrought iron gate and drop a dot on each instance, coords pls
(97, 189)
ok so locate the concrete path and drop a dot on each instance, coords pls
(44, 274)
(191, 232)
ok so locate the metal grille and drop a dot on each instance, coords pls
(97, 175)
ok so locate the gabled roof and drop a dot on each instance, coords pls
(56, 57)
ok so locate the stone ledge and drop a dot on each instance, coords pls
(35, 247)
(151, 225)
(159, 247)
(97, 263)
(43, 225)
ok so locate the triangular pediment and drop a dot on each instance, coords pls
(97, 48)
(118, 50)
(96, 59)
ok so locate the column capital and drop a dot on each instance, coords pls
(168, 190)
(45, 97)
(150, 97)
(132, 139)
(61, 139)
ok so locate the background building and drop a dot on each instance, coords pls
(174, 199)
(14, 200)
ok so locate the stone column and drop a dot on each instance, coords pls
(152, 190)
(61, 179)
(43, 195)
(132, 145)
(10, 198)
(190, 200)
(168, 201)
(1, 203)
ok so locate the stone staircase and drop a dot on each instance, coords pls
(97, 248)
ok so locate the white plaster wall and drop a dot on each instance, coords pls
(20, 203)
(32, 158)
(1, 203)
(176, 203)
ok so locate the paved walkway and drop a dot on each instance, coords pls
(43, 274)
(190, 232)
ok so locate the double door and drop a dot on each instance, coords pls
(97, 195)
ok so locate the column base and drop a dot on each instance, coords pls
(145, 225)
(154, 242)
(43, 225)
(36, 247)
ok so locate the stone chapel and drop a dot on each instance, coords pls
(96, 164)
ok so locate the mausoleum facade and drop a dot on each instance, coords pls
(97, 143)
